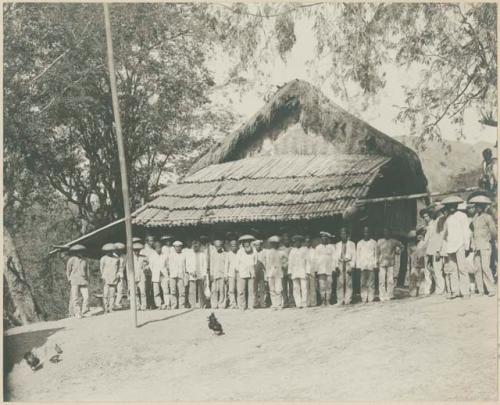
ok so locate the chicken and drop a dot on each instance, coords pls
(56, 358)
(214, 324)
(32, 360)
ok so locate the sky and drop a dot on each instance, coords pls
(380, 114)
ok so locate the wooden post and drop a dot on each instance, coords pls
(123, 165)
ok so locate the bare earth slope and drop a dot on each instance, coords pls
(411, 349)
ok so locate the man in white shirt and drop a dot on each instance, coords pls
(247, 261)
(274, 272)
(324, 266)
(297, 267)
(232, 273)
(345, 262)
(366, 262)
(177, 273)
(167, 248)
(434, 241)
(386, 255)
(218, 275)
(196, 268)
(312, 292)
(158, 266)
(457, 240)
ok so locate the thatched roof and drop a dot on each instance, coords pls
(300, 101)
(264, 188)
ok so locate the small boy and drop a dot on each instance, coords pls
(416, 261)
(109, 266)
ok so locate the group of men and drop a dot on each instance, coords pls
(450, 255)
(454, 251)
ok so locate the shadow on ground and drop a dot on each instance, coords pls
(14, 347)
(165, 318)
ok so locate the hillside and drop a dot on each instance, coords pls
(408, 349)
(442, 163)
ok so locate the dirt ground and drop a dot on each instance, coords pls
(411, 349)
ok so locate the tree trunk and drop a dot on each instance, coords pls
(23, 308)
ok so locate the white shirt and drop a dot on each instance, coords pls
(231, 263)
(158, 266)
(196, 264)
(366, 254)
(324, 259)
(456, 232)
(177, 264)
(297, 262)
(349, 256)
(246, 263)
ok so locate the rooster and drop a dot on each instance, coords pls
(214, 324)
(32, 360)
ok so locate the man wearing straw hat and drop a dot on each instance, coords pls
(484, 233)
(457, 241)
(274, 272)
(324, 265)
(177, 274)
(109, 266)
(247, 261)
(77, 273)
(167, 248)
(140, 265)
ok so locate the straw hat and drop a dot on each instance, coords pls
(136, 239)
(462, 206)
(137, 246)
(452, 199)
(274, 239)
(327, 234)
(246, 238)
(167, 237)
(77, 248)
(119, 246)
(109, 247)
(177, 243)
(480, 199)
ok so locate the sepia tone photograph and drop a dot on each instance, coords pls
(250, 201)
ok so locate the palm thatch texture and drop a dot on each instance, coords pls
(299, 101)
(265, 188)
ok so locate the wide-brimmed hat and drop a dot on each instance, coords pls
(452, 199)
(480, 199)
(177, 243)
(119, 246)
(136, 239)
(462, 206)
(425, 210)
(327, 234)
(246, 238)
(274, 239)
(108, 247)
(77, 248)
(167, 237)
(137, 246)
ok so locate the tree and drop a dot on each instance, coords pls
(58, 115)
(453, 46)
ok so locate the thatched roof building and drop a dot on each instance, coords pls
(300, 162)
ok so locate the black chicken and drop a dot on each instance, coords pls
(214, 324)
(32, 360)
(56, 358)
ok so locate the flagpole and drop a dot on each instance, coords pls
(123, 165)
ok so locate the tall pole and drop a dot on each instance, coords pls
(123, 165)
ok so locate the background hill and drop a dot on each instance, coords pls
(450, 164)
